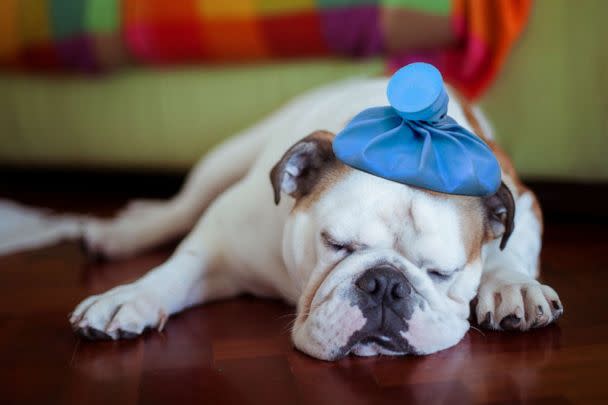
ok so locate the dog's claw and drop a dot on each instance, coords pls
(123, 334)
(98, 334)
(557, 310)
(510, 322)
(487, 322)
(92, 333)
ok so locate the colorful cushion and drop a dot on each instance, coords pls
(466, 39)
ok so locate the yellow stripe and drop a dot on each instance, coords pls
(231, 9)
(34, 19)
(277, 7)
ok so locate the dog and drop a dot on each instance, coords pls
(373, 266)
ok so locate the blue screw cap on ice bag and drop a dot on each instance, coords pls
(416, 93)
(413, 141)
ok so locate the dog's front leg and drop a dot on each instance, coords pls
(510, 297)
(188, 278)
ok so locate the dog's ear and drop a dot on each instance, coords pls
(299, 169)
(500, 214)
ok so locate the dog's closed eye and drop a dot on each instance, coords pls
(440, 275)
(335, 245)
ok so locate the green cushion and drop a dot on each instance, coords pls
(144, 118)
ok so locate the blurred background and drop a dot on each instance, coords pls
(104, 101)
(126, 95)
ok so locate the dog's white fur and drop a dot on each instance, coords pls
(244, 243)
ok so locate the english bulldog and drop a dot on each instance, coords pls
(372, 266)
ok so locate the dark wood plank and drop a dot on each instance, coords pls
(239, 351)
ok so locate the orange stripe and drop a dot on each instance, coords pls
(9, 37)
(233, 39)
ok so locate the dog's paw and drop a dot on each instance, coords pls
(516, 304)
(124, 312)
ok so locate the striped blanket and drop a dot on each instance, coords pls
(466, 39)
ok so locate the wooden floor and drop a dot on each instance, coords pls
(239, 351)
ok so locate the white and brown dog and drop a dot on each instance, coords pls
(374, 266)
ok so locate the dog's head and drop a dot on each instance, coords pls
(382, 268)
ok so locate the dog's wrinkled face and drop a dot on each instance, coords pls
(382, 268)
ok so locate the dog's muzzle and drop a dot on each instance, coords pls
(386, 299)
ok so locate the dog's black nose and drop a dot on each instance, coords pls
(384, 285)
(387, 300)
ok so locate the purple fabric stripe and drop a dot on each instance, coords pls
(352, 31)
(78, 53)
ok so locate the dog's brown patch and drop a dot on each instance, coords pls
(316, 154)
(503, 159)
(332, 173)
(511, 179)
(472, 219)
(331, 176)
